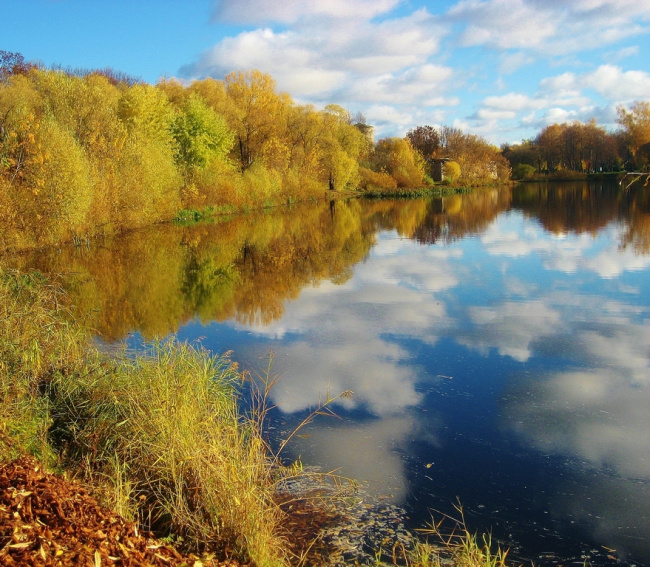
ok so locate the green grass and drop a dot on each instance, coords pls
(408, 193)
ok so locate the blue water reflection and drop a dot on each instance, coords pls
(507, 369)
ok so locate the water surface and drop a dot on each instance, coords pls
(497, 344)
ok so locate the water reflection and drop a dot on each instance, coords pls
(497, 343)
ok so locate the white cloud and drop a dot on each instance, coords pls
(289, 11)
(625, 52)
(512, 101)
(504, 24)
(549, 28)
(609, 81)
(400, 63)
(510, 62)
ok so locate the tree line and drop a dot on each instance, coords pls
(87, 152)
(91, 152)
(585, 147)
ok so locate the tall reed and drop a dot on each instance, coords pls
(158, 433)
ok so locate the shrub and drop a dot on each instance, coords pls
(523, 171)
(452, 171)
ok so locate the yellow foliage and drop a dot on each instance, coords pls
(398, 158)
(67, 195)
(146, 111)
(452, 170)
(373, 180)
(150, 183)
(636, 122)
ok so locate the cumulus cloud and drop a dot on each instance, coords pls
(565, 97)
(332, 50)
(290, 11)
(549, 28)
(404, 65)
(610, 81)
(503, 23)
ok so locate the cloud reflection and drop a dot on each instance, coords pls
(342, 337)
(370, 452)
(598, 414)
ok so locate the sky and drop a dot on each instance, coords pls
(501, 69)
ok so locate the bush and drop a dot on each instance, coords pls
(451, 171)
(523, 171)
(376, 180)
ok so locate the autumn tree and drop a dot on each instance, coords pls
(257, 113)
(398, 158)
(13, 64)
(425, 139)
(525, 153)
(149, 178)
(479, 160)
(576, 146)
(636, 122)
(146, 111)
(342, 146)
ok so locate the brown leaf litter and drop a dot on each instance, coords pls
(48, 521)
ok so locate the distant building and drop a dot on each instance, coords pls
(437, 168)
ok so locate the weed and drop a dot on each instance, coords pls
(459, 546)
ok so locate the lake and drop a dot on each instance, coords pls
(497, 344)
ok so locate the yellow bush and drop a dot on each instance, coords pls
(452, 170)
(375, 180)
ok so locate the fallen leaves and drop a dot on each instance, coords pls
(48, 521)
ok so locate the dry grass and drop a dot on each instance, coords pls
(164, 428)
(36, 341)
(158, 432)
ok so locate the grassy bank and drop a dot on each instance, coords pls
(158, 434)
(409, 193)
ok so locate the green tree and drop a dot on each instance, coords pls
(200, 135)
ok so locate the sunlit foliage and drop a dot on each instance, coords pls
(93, 152)
(567, 147)
(636, 122)
(398, 158)
(452, 170)
(479, 160)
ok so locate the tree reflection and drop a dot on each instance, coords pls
(248, 267)
(582, 207)
(637, 234)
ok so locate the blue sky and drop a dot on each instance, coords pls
(502, 69)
